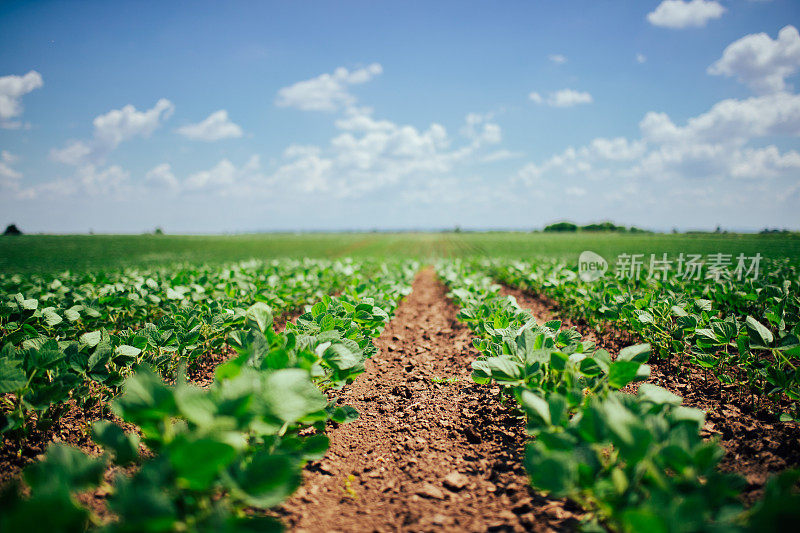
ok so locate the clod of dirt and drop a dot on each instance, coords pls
(430, 491)
(456, 481)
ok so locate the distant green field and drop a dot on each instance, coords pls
(28, 253)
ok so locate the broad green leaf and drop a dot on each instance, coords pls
(110, 436)
(91, 339)
(197, 463)
(638, 352)
(622, 372)
(12, 377)
(658, 395)
(536, 405)
(260, 315)
(761, 332)
(266, 480)
(291, 395)
(51, 318)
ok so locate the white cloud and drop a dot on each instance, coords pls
(102, 181)
(575, 191)
(327, 92)
(161, 177)
(760, 62)
(569, 98)
(558, 59)
(74, 153)
(500, 155)
(300, 150)
(12, 89)
(641, 58)
(120, 125)
(562, 98)
(226, 177)
(764, 163)
(360, 119)
(678, 14)
(729, 121)
(89, 180)
(478, 128)
(712, 148)
(371, 154)
(8, 157)
(217, 126)
(308, 172)
(8, 176)
(617, 149)
(111, 129)
(221, 175)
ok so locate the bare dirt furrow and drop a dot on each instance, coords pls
(756, 445)
(424, 455)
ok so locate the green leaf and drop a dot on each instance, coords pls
(197, 463)
(344, 414)
(590, 368)
(259, 315)
(291, 395)
(265, 481)
(760, 331)
(319, 308)
(51, 318)
(12, 377)
(125, 446)
(91, 339)
(27, 305)
(622, 372)
(638, 352)
(127, 351)
(195, 404)
(658, 395)
(64, 467)
(340, 357)
(554, 472)
(536, 406)
(643, 520)
(504, 370)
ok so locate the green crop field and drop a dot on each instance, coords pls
(28, 253)
(220, 355)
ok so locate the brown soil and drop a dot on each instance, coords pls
(423, 455)
(757, 446)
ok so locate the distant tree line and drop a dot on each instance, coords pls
(602, 226)
(12, 229)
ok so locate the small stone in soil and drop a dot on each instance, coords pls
(456, 481)
(429, 491)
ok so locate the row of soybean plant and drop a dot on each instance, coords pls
(77, 336)
(636, 462)
(744, 333)
(213, 459)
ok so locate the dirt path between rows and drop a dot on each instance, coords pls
(756, 446)
(423, 456)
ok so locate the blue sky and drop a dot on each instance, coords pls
(245, 116)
